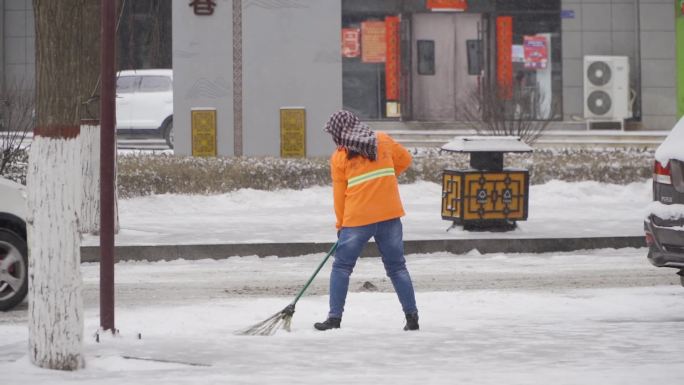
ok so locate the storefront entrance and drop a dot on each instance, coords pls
(440, 64)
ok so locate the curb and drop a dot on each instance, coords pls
(457, 246)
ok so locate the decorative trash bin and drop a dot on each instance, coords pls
(487, 196)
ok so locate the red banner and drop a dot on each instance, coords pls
(351, 42)
(392, 58)
(373, 46)
(504, 57)
(447, 5)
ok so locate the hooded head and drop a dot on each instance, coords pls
(349, 132)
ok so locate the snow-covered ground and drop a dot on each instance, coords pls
(485, 319)
(587, 317)
(556, 209)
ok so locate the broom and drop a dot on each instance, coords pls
(283, 318)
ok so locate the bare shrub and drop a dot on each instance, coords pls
(17, 105)
(140, 175)
(492, 111)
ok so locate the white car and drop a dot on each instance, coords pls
(144, 103)
(13, 248)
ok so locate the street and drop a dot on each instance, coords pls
(603, 316)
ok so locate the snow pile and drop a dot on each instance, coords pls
(673, 212)
(556, 209)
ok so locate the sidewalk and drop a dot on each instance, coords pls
(562, 217)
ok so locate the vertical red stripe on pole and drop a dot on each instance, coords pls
(107, 159)
(392, 59)
(504, 50)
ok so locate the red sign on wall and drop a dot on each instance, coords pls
(373, 45)
(351, 42)
(447, 5)
(536, 53)
(392, 58)
(504, 60)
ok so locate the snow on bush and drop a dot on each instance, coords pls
(145, 174)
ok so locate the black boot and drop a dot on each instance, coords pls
(411, 322)
(330, 323)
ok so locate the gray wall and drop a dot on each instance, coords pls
(290, 58)
(658, 64)
(18, 43)
(203, 71)
(609, 27)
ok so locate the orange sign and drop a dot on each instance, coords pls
(392, 59)
(447, 5)
(351, 42)
(504, 60)
(373, 46)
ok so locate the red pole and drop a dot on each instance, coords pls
(107, 159)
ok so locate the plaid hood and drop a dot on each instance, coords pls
(349, 132)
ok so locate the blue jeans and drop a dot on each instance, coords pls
(389, 239)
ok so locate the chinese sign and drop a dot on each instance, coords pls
(373, 45)
(351, 42)
(447, 5)
(392, 58)
(536, 53)
(292, 132)
(504, 57)
(203, 132)
(203, 7)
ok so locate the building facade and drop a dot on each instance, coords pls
(248, 61)
(17, 44)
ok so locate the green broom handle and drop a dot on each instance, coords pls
(320, 266)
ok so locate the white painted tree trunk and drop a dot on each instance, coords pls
(89, 218)
(89, 214)
(55, 284)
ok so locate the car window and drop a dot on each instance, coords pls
(155, 84)
(126, 84)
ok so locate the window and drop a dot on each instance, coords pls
(126, 84)
(155, 84)
(426, 57)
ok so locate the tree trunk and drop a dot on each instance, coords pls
(89, 213)
(65, 86)
(55, 299)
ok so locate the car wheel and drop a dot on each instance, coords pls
(13, 269)
(168, 132)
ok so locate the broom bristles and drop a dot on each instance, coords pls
(268, 327)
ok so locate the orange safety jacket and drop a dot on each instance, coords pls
(367, 191)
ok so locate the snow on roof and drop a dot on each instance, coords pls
(673, 146)
(487, 144)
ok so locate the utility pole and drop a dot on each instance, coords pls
(107, 162)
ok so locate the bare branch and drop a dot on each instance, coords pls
(489, 113)
(17, 112)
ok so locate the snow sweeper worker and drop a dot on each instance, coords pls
(364, 170)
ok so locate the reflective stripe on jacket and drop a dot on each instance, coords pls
(367, 191)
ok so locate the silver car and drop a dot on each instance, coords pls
(664, 223)
(13, 248)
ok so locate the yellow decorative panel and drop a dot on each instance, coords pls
(203, 122)
(495, 195)
(292, 132)
(451, 195)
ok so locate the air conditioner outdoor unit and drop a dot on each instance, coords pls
(606, 91)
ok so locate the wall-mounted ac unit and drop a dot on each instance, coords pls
(606, 89)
